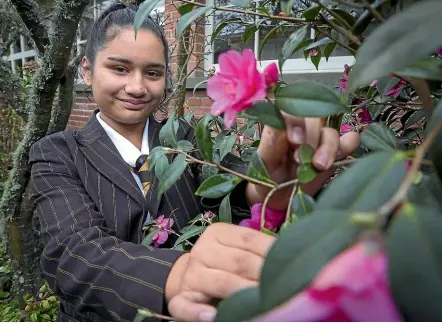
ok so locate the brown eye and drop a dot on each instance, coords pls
(153, 74)
(120, 69)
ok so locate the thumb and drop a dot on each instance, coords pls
(273, 147)
(191, 307)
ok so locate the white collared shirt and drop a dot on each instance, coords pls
(128, 151)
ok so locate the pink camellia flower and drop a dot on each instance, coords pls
(344, 78)
(271, 75)
(313, 52)
(236, 86)
(208, 215)
(439, 52)
(345, 128)
(364, 116)
(396, 89)
(273, 218)
(353, 287)
(163, 224)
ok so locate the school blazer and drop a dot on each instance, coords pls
(92, 211)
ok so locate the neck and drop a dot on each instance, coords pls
(132, 132)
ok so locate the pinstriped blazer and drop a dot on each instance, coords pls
(91, 212)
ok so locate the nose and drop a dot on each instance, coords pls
(135, 85)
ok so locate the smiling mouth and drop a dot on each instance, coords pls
(134, 104)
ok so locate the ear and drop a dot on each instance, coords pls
(86, 71)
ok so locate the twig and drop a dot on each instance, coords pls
(373, 11)
(423, 91)
(337, 41)
(289, 207)
(148, 313)
(341, 30)
(401, 193)
(264, 206)
(333, 14)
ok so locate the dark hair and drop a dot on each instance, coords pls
(116, 17)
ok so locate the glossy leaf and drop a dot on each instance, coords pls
(185, 8)
(143, 12)
(203, 138)
(319, 238)
(306, 153)
(266, 39)
(225, 211)
(242, 306)
(266, 113)
(321, 42)
(154, 155)
(161, 166)
(292, 43)
(311, 13)
(257, 169)
(189, 17)
(185, 145)
(249, 32)
(398, 42)
(366, 185)
(305, 173)
(174, 171)
(168, 133)
(309, 99)
(286, 6)
(209, 171)
(378, 136)
(414, 261)
(147, 241)
(192, 232)
(328, 50)
(429, 69)
(345, 16)
(263, 10)
(435, 150)
(301, 206)
(227, 145)
(217, 186)
(427, 192)
(221, 26)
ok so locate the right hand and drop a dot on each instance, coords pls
(225, 259)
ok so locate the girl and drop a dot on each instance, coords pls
(92, 206)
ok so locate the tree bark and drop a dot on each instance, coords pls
(16, 227)
(183, 59)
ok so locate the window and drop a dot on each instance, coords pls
(21, 52)
(232, 37)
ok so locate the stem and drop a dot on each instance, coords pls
(401, 193)
(341, 30)
(264, 206)
(148, 313)
(337, 41)
(373, 11)
(295, 189)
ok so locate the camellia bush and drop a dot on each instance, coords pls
(369, 248)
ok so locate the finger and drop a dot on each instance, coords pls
(295, 128)
(348, 143)
(191, 307)
(329, 145)
(217, 283)
(239, 262)
(243, 238)
(313, 128)
(273, 147)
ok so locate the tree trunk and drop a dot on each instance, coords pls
(183, 62)
(16, 227)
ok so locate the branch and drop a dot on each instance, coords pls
(29, 13)
(423, 92)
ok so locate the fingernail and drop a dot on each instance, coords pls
(297, 135)
(207, 316)
(322, 160)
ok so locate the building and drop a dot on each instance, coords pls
(204, 54)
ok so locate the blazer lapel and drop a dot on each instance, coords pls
(100, 151)
(152, 199)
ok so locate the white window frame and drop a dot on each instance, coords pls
(20, 55)
(335, 64)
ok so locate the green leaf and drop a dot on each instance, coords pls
(427, 192)
(242, 306)
(309, 99)
(263, 10)
(305, 173)
(185, 145)
(241, 3)
(249, 32)
(435, 150)
(429, 69)
(147, 241)
(347, 17)
(227, 145)
(291, 44)
(406, 37)
(366, 185)
(4, 294)
(306, 153)
(316, 59)
(257, 170)
(209, 171)
(321, 42)
(185, 8)
(223, 24)
(174, 171)
(378, 136)
(189, 17)
(311, 13)
(168, 133)
(266, 113)
(161, 166)
(203, 138)
(194, 231)
(286, 6)
(225, 211)
(414, 248)
(266, 39)
(217, 186)
(143, 12)
(301, 206)
(319, 238)
(328, 50)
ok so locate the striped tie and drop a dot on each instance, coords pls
(141, 169)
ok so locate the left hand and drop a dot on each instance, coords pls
(279, 151)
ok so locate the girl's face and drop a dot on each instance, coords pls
(128, 77)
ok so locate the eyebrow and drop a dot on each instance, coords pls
(127, 61)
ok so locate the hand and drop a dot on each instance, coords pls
(225, 259)
(279, 151)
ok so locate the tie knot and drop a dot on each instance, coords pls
(140, 162)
